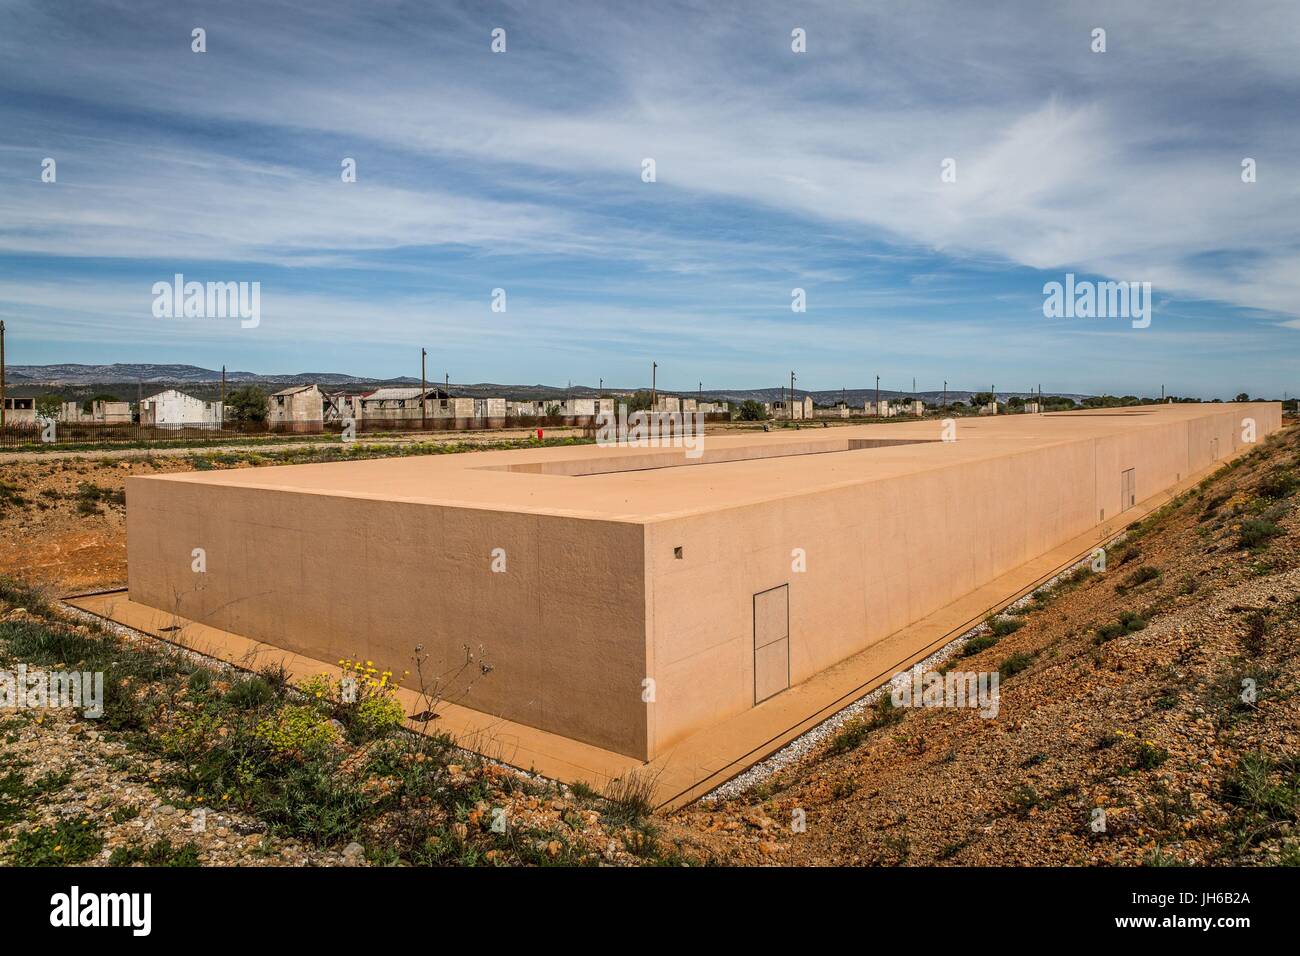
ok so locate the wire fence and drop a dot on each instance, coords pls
(28, 434)
(19, 434)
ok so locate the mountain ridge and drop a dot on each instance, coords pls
(73, 375)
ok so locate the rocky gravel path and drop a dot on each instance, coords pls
(72, 773)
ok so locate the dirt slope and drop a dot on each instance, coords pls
(1122, 692)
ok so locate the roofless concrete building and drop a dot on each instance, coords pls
(627, 599)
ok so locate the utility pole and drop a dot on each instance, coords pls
(2, 373)
(601, 390)
(223, 396)
(791, 395)
(423, 388)
(654, 398)
(945, 393)
(1162, 394)
(877, 396)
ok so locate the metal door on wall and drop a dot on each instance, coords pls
(1128, 489)
(771, 642)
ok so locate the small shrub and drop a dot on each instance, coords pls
(296, 730)
(189, 734)
(899, 846)
(1263, 788)
(1158, 857)
(1024, 799)
(979, 642)
(1128, 623)
(1256, 533)
(843, 789)
(314, 802)
(1167, 700)
(52, 782)
(583, 792)
(1278, 484)
(851, 736)
(630, 798)
(1255, 638)
(199, 682)
(1002, 626)
(1016, 663)
(1132, 622)
(19, 594)
(378, 715)
(366, 704)
(13, 798)
(249, 693)
(161, 853)
(1212, 507)
(88, 492)
(1148, 756)
(1142, 575)
(69, 841)
(1107, 632)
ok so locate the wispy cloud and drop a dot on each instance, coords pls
(775, 170)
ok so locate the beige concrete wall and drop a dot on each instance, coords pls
(333, 577)
(881, 555)
(372, 558)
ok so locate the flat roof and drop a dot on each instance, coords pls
(645, 484)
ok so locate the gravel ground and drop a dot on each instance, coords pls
(81, 774)
(74, 793)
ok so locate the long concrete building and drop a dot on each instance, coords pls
(629, 598)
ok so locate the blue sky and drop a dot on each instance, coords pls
(775, 170)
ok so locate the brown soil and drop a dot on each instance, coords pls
(50, 534)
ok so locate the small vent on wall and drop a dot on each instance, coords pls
(677, 552)
(1103, 515)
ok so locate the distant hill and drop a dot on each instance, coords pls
(129, 379)
(152, 374)
(854, 396)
